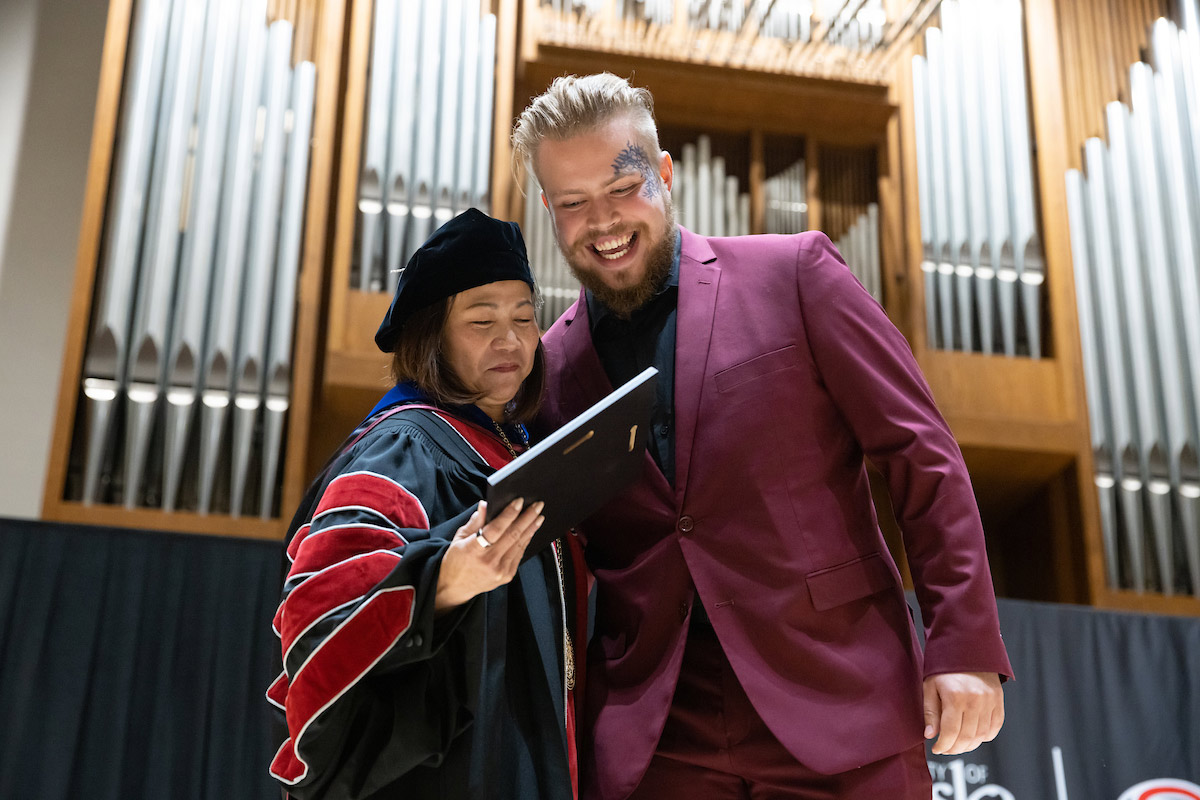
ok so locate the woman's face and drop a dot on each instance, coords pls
(490, 337)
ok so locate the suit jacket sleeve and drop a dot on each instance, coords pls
(869, 371)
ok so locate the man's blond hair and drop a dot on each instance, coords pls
(574, 105)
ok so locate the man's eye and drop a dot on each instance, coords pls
(524, 320)
(570, 204)
(481, 323)
(625, 189)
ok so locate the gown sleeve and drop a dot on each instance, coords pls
(373, 685)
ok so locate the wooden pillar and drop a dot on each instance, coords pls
(505, 204)
(104, 133)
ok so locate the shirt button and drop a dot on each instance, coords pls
(664, 429)
(686, 524)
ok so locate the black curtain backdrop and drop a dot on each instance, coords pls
(134, 665)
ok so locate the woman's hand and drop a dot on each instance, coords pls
(471, 567)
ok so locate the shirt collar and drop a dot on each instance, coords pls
(597, 311)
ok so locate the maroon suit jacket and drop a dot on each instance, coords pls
(786, 374)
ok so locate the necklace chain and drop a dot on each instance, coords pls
(508, 445)
(568, 646)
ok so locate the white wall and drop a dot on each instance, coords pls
(49, 69)
(18, 20)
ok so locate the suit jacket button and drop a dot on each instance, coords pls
(686, 524)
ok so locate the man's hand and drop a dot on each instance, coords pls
(962, 709)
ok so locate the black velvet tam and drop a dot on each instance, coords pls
(468, 251)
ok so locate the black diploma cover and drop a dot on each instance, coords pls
(582, 465)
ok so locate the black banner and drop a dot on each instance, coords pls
(1105, 706)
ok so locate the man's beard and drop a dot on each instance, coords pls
(624, 301)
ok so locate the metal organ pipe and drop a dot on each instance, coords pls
(1139, 355)
(926, 196)
(940, 185)
(1133, 219)
(559, 288)
(189, 349)
(375, 144)
(1100, 424)
(249, 380)
(401, 115)
(1164, 314)
(449, 113)
(981, 273)
(229, 268)
(786, 196)
(424, 165)
(707, 200)
(1000, 183)
(483, 116)
(953, 139)
(860, 249)
(146, 370)
(203, 230)
(429, 111)
(982, 261)
(463, 187)
(291, 229)
(108, 346)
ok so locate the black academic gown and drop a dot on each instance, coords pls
(381, 699)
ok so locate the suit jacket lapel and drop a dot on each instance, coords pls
(698, 279)
(584, 381)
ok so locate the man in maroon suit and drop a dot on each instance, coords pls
(752, 638)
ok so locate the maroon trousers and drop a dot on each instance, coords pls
(716, 747)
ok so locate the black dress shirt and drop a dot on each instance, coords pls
(647, 339)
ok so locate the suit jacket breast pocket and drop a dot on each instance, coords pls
(755, 368)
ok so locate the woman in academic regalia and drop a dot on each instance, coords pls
(422, 658)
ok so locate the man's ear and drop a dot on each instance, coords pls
(666, 169)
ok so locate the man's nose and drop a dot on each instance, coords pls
(603, 214)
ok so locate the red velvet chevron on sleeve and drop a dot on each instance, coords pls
(334, 603)
(374, 493)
